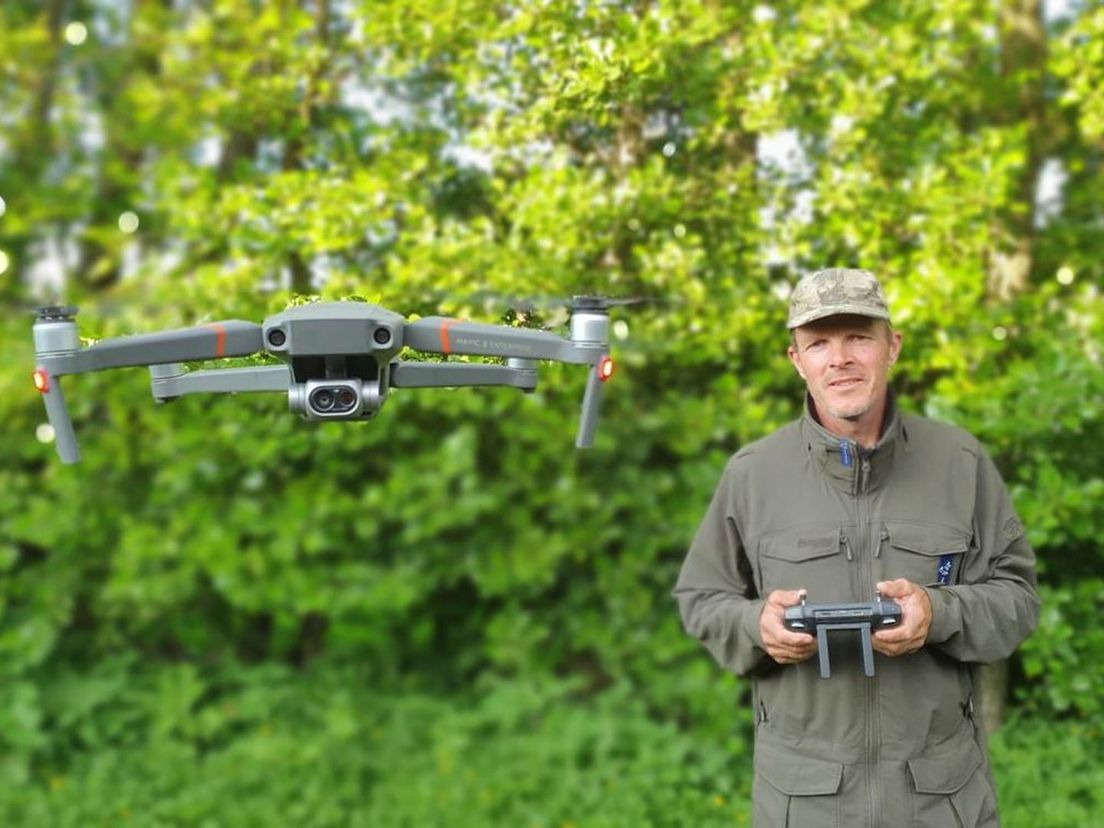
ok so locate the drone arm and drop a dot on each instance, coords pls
(214, 341)
(439, 335)
(170, 381)
(519, 374)
(58, 353)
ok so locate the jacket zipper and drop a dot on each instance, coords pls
(873, 734)
(845, 544)
(881, 541)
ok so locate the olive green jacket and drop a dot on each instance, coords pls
(803, 509)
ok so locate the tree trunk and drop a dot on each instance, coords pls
(1023, 53)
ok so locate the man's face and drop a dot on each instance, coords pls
(845, 361)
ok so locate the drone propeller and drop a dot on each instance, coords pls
(604, 303)
(493, 300)
(56, 313)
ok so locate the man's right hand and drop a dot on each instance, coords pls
(782, 645)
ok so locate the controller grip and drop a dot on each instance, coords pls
(58, 415)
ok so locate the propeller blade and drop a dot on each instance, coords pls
(492, 300)
(55, 313)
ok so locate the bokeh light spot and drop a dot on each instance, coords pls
(5, 262)
(44, 433)
(128, 222)
(76, 33)
(1064, 275)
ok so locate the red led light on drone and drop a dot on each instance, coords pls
(605, 368)
(41, 380)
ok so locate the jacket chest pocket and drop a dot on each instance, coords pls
(809, 560)
(927, 555)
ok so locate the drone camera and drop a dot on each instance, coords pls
(330, 399)
(335, 399)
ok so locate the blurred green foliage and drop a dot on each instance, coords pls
(226, 616)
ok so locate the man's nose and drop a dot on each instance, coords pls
(839, 353)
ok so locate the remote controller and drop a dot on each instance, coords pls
(820, 619)
(881, 614)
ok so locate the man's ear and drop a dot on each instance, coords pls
(895, 340)
(795, 360)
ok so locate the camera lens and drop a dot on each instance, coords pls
(322, 399)
(382, 336)
(346, 399)
(276, 338)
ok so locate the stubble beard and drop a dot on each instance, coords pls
(850, 416)
(850, 413)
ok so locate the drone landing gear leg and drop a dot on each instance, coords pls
(58, 415)
(592, 403)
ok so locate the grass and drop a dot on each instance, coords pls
(316, 752)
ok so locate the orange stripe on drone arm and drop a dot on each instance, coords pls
(445, 349)
(220, 339)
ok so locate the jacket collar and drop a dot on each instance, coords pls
(849, 468)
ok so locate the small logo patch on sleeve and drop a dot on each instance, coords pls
(944, 570)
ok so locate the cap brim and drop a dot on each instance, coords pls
(825, 311)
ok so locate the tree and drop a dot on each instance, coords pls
(427, 155)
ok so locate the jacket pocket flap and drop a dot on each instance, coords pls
(798, 546)
(794, 773)
(946, 773)
(927, 540)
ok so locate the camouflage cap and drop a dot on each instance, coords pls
(836, 290)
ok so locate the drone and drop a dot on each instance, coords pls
(339, 359)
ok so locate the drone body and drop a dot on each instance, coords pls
(339, 359)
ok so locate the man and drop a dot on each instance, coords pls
(852, 499)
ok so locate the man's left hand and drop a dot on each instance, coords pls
(916, 615)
